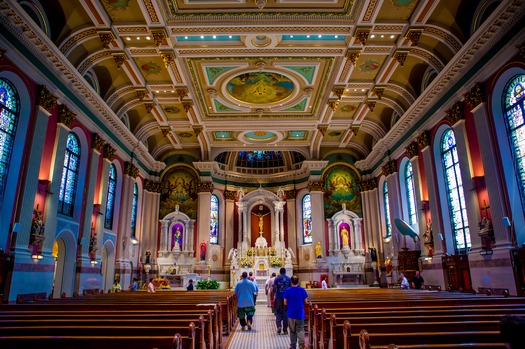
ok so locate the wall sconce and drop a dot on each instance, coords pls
(44, 183)
(133, 240)
(96, 209)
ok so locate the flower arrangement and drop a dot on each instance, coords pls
(207, 285)
(276, 262)
(250, 252)
(272, 251)
(246, 263)
(161, 283)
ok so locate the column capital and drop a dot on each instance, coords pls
(66, 116)
(131, 170)
(424, 139)
(45, 99)
(109, 152)
(203, 187)
(474, 97)
(389, 168)
(367, 185)
(230, 194)
(412, 150)
(456, 113)
(97, 143)
(316, 186)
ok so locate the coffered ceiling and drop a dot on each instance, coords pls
(197, 78)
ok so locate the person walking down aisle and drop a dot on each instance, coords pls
(280, 284)
(268, 290)
(295, 298)
(245, 302)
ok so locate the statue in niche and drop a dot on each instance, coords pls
(240, 194)
(176, 238)
(280, 193)
(344, 236)
(318, 250)
(261, 222)
(427, 235)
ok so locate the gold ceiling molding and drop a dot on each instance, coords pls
(401, 56)
(159, 36)
(378, 91)
(322, 129)
(338, 91)
(353, 56)
(274, 51)
(119, 58)
(106, 37)
(251, 30)
(167, 58)
(445, 36)
(75, 39)
(197, 129)
(413, 35)
(370, 10)
(361, 34)
(132, 30)
(141, 94)
(182, 92)
(333, 104)
(149, 107)
(92, 59)
(150, 8)
(370, 104)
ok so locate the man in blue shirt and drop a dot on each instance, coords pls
(295, 298)
(245, 303)
(280, 284)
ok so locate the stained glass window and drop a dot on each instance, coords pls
(68, 185)
(134, 205)
(387, 211)
(411, 197)
(214, 219)
(307, 219)
(456, 198)
(514, 117)
(260, 159)
(110, 202)
(9, 111)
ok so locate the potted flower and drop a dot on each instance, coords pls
(246, 263)
(272, 251)
(276, 262)
(250, 252)
(161, 283)
(207, 285)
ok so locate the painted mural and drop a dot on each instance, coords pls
(341, 187)
(179, 187)
(260, 87)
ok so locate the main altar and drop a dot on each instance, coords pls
(260, 258)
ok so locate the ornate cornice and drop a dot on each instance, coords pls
(159, 36)
(316, 186)
(119, 59)
(197, 129)
(149, 107)
(167, 58)
(45, 99)
(370, 104)
(65, 116)
(389, 168)
(205, 187)
(333, 105)
(182, 92)
(141, 94)
(97, 143)
(229, 194)
(412, 150)
(474, 97)
(423, 140)
(130, 169)
(355, 129)
(187, 105)
(109, 152)
(455, 113)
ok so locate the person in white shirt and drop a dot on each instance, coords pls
(268, 290)
(404, 282)
(324, 285)
(151, 286)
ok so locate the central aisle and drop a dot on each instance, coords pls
(263, 334)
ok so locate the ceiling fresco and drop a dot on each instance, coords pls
(201, 78)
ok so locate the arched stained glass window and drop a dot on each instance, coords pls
(214, 219)
(455, 196)
(68, 185)
(514, 120)
(387, 211)
(307, 219)
(110, 201)
(9, 112)
(134, 205)
(411, 194)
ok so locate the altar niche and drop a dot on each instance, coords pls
(261, 223)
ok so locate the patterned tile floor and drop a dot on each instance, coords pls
(263, 334)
